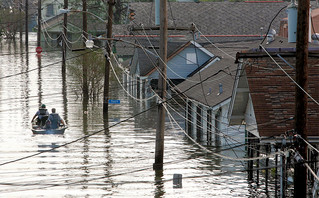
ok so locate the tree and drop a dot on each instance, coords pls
(95, 76)
(9, 22)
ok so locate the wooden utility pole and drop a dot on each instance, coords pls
(84, 66)
(108, 58)
(300, 176)
(159, 146)
(39, 24)
(26, 24)
(64, 36)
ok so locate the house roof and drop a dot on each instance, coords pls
(148, 58)
(95, 26)
(215, 18)
(222, 72)
(272, 92)
(204, 86)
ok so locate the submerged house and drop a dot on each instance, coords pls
(183, 60)
(264, 96)
(52, 29)
(263, 100)
(207, 93)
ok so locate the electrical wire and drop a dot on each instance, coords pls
(271, 23)
(289, 76)
(227, 157)
(314, 148)
(118, 80)
(17, 74)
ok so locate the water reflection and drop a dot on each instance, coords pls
(107, 154)
(159, 184)
(25, 91)
(116, 162)
(65, 97)
(45, 147)
(86, 142)
(39, 80)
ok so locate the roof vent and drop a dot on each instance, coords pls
(220, 89)
(271, 36)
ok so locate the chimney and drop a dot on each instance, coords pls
(292, 11)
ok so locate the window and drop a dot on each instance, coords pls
(191, 58)
(49, 10)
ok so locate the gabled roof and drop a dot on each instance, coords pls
(172, 53)
(148, 58)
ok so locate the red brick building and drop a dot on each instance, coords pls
(264, 96)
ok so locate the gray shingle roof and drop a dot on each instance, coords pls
(207, 91)
(216, 18)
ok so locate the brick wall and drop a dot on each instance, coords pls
(273, 95)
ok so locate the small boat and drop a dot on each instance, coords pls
(38, 130)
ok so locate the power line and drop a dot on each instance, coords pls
(17, 74)
(271, 23)
(289, 76)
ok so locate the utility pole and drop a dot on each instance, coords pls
(300, 176)
(64, 36)
(39, 24)
(26, 24)
(108, 58)
(159, 146)
(84, 66)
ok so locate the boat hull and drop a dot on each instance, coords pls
(49, 131)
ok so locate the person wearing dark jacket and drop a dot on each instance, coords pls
(42, 115)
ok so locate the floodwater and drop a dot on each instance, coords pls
(111, 163)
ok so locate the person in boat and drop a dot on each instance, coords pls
(54, 120)
(42, 115)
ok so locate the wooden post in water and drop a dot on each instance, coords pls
(84, 65)
(276, 171)
(20, 21)
(250, 155)
(39, 24)
(64, 36)
(268, 150)
(26, 24)
(282, 176)
(257, 164)
(159, 147)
